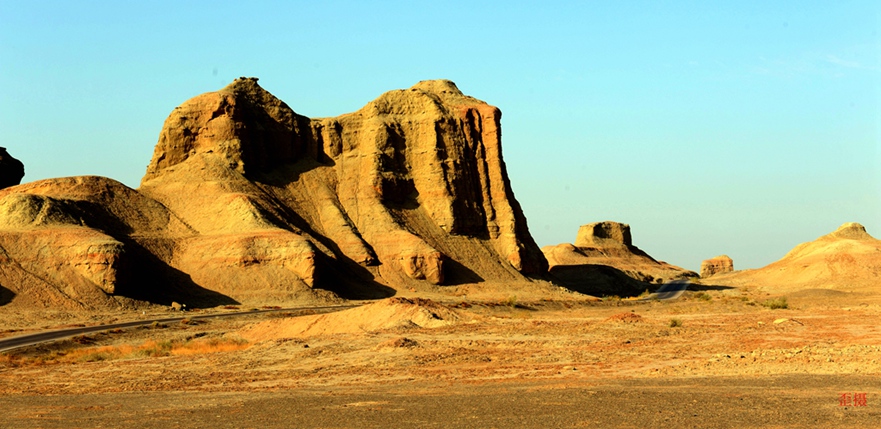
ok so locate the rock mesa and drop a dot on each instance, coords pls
(716, 265)
(604, 260)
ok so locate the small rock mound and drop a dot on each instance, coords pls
(851, 231)
(717, 265)
(389, 314)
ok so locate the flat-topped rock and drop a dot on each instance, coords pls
(716, 265)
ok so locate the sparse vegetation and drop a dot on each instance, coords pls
(675, 323)
(512, 301)
(776, 303)
(703, 296)
(128, 351)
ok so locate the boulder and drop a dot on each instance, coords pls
(717, 265)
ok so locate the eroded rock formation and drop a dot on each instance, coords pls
(845, 260)
(604, 260)
(248, 200)
(716, 265)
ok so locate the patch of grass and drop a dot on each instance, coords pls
(611, 298)
(776, 303)
(675, 323)
(703, 296)
(512, 301)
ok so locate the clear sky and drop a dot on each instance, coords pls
(741, 128)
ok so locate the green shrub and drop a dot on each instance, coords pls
(776, 303)
(675, 323)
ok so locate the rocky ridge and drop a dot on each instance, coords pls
(847, 259)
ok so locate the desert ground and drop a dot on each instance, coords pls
(716, 357)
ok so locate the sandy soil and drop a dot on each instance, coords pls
(729, 350)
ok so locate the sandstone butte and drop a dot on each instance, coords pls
(603, 260)
(845, 260)
(246, 201)
(716, 265)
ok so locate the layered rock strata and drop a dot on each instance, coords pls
(716, 265)
(252, 202)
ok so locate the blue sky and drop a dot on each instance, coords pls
(734, 127)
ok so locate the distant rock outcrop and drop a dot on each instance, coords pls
(847, 259)
(604, 260)
(716, 265)
(246, 201)
(11, 169)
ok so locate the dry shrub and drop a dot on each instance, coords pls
(213, 345)
(776, 303)
(128, 351)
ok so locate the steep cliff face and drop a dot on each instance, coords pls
(418, 166)
(411, 188)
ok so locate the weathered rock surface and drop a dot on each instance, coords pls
(246, 201)
(716, 265)
(847, 259)
(11, 169)
(604, 260)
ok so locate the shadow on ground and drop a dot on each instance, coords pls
(599, 280)
(6, 296)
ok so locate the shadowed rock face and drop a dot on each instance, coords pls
(246, 201)
(11, 169)
(717, 265)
